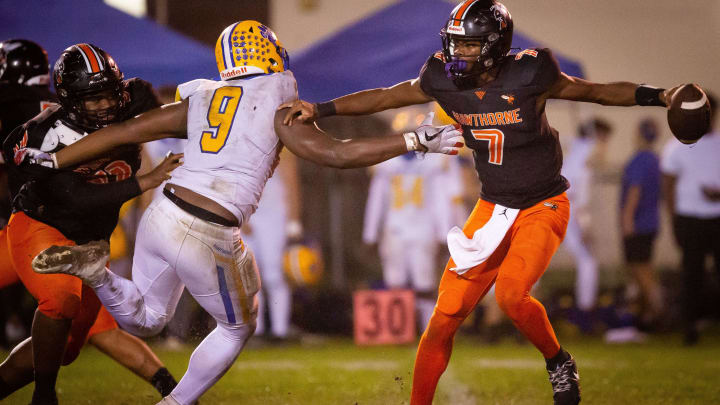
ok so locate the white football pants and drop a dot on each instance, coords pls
(411, 264)
(586, 279)
(176, 250)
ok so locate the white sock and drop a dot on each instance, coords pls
(210, 361)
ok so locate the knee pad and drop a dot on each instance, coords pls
(450, 302)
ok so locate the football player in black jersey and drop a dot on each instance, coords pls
(24, 92)
(499, 99)
(73, 206)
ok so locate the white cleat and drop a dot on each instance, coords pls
(86, 262)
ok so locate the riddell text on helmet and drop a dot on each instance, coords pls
(234, 72)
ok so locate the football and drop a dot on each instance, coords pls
(689, 114)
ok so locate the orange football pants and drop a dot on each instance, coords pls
(59, 296)
(513, 268)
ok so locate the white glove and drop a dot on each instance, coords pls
(35, 157)
(445, 139)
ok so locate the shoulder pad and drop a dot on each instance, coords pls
(186, 89)
(534, 67)
(433, 76)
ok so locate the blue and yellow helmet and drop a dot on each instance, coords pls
(248, 47)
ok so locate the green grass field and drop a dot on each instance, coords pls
(335, 371)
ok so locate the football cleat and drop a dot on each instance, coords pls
(565, 382)
(86, 262)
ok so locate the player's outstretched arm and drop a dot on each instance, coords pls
(307, 141)
(615, 94)
(168, 121)
(360, 103)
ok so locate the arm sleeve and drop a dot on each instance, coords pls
(71, 189)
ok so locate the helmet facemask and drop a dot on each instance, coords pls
(98, 109)
(489, 57)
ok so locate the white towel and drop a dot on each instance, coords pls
(468, 253)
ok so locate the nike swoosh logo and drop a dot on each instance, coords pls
(433, 136)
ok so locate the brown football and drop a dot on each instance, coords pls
(689, 113)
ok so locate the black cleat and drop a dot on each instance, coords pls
(565, 381)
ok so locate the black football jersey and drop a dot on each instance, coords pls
(18, 104)
(517, 154)
(82, 202)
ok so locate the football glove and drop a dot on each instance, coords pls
(445, 139)
(35, 157)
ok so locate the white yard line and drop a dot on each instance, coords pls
(296, 365)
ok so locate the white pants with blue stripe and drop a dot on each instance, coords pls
(176, 250)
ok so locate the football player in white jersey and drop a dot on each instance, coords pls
(401, 190)
(190, 238)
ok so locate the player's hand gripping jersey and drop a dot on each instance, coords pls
(232, 146)
(517, 153)
(82, 202)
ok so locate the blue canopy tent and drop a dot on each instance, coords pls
(385, 48)
(141, 47)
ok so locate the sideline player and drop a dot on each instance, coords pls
(499, 99)
(584, 158)
(190, 237)
(74, 206)
(275, 223)
(402, 190)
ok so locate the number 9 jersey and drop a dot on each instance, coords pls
(232, 146)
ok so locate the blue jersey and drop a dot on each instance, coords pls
(643, 171)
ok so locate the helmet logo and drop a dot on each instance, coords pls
(499, 12)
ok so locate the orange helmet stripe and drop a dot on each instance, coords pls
(91, 58)
(457, 18)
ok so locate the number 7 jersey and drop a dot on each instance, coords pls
(232, 146)
(517, 154)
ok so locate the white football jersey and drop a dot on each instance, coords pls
(411, 199)
(232, 146)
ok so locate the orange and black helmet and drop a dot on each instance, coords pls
(85, 71)
(487, 21)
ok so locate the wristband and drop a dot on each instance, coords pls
(411, 141)
(325, 109)
(54, 160)
(648, 95)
